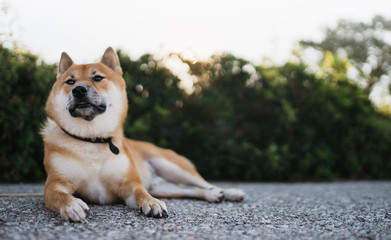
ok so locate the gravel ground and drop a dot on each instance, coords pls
(342, 210)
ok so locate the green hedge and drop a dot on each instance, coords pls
(24, 87)
(272, 124)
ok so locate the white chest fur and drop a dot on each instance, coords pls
(95, 176)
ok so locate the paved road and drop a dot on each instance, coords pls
(343, 210)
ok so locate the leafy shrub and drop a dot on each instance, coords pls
(24, 87)
(271, 124)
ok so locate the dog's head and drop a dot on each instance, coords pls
(89, 100)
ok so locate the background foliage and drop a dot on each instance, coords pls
(24, 87)
(240, 122)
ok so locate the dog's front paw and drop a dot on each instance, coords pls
(75, 211)
(154, 208)
(234, 195)
(213, 195)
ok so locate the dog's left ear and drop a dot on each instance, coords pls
(110, 59)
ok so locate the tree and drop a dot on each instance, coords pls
(241, 122)
(283, 123)
(155, 100)
(364, 44)
(24, 87)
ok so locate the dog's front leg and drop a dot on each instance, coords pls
(58, 198)
(135, 195)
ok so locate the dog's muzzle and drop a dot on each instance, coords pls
(85, 102)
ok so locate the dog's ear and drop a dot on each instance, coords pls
(65, 63)
(110, 59)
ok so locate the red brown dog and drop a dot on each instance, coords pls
(87, 154)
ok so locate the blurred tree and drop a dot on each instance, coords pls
(154, 99)
(364, 44)
(24, 86)
(240, 122)
(283, 123)
(6, 24)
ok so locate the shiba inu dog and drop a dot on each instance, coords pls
(88, 158)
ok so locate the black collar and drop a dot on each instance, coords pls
(112, 147)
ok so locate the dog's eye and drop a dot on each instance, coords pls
(97, 78)
(70, 82)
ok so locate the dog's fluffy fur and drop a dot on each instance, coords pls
(89, 101)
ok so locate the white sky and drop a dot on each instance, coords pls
(251, 29)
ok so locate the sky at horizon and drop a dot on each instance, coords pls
(249, 29)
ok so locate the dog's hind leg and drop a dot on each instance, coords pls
(179, 170)
(182, 173)
(163, 189)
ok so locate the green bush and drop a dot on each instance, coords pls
(271, 124)
(287, 125)
(24, 87)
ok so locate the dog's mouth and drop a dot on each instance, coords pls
(85, 102)
(100, 108)
(83, 105)
(86, 110)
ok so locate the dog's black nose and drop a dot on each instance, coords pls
(79, 91)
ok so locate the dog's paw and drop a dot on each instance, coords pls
(213, 195)
(234, 195)
(75, 211)
(154, 208)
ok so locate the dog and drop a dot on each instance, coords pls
(89, 160)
